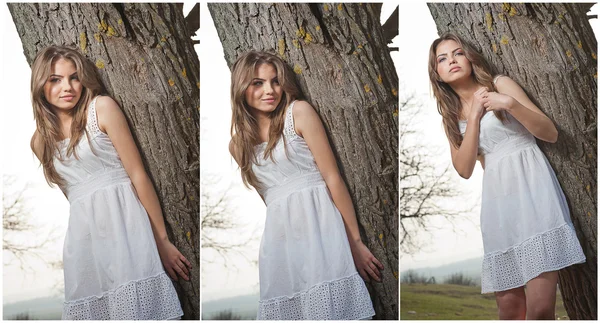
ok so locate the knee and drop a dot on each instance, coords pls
(540, 312)
(513, 309)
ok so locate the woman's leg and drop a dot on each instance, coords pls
(511, 304)
(541, 296)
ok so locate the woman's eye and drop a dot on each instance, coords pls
(442, 59)
(276, 81)
(54, 80)
(74, 78)
(257, 83)
(459, 53)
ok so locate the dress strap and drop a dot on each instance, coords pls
(288, 128)
(496, 78)
(92, 122)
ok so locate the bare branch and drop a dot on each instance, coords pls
(425, 189)
(16, 221)
(218, 225)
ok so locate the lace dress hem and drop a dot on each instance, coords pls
(549, 251)
(341, 299)
(152, 298)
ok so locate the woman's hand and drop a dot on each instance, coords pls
(173, 260)
(477, 104)
(366, 264)
(498, 102)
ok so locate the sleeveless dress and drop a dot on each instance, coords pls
(306, 267)
(525, 221)
(111, 264)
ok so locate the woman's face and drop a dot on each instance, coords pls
(264, 92)
(63, 88)
(451, 62)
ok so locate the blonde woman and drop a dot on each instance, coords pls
(116, 236)
(311, 255)
(527, 231)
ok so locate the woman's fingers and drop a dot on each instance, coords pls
(172, 274)
(364, 275)
(372, 273)
(379, 264)
(180, 272)
(375, 270)
(182, 258)
(182, 266)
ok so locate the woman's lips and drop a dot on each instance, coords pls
(68, 98)
(454, 69)
(269, 100)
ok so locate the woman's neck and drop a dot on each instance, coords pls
(465, 89)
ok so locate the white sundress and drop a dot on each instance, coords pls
(525, 221)
(305, 264)
(111, 264)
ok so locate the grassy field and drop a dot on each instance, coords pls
(452, 302)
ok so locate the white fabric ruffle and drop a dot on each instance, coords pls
(153, 298)
(342, 299)
(552, 250)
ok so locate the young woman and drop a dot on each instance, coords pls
(116, 236)
(525, 223)
(311, 247)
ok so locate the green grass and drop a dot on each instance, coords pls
(452, 302)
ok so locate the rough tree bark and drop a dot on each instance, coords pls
(146, 59)
(345, 70)
(550, 50)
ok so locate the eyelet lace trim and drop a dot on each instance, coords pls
(288, 128)
(342, 299)
(552, 250)
(152, 298)
(92, 123)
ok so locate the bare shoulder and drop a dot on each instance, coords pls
(36, 144)
(108, 113)
(305, 117)
(303, 109)
(107, 105)
(505, 84)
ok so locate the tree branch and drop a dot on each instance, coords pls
(192, 21)
(390, 27)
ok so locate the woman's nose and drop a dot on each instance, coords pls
(67, 86)
(268, 88)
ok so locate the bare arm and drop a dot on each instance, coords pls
(112, 122)
(514, 100)
(464, 157)
(309, 126)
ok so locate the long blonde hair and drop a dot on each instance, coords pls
(244, 127)
(448, 102)
(48, 132)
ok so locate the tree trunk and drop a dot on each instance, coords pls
(145, 57)
(550, 50)
(345, 71)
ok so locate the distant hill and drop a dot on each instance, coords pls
(244, 306)
(469, 267)
(44, 308)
